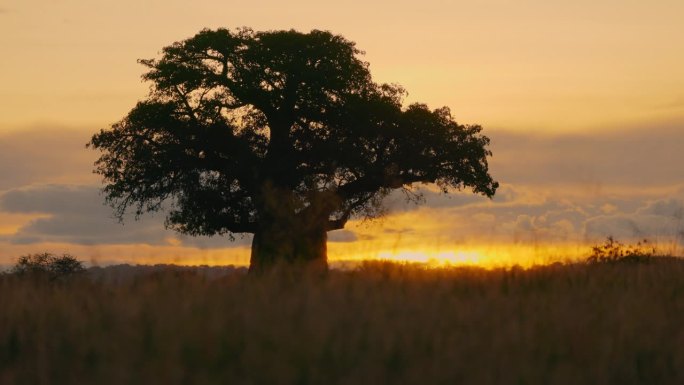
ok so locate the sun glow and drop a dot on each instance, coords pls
(485, 256)
(434, 258)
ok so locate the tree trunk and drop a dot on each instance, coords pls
(304, 245)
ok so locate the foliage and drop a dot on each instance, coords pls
(382, 323)
(47, 265)
(278, 133)
(613, 251)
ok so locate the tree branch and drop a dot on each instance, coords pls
(339, 223)
(184, 99)
(241, 227)
(370, 183)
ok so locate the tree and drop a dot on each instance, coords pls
(47, 265)
(280, 134)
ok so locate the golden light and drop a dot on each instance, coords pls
(487, 256)
(434, 258)
(10, 223)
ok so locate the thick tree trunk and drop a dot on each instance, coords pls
(302, 245)
(287, 233)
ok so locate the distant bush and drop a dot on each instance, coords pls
(613, 251)
(47, 265)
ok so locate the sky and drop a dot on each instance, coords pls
(583, 102)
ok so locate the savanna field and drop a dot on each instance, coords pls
(610, 322)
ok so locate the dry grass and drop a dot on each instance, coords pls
(382, 323)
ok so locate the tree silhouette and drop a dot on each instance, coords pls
(47, 265)
(280, 134)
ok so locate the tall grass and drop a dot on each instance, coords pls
(380, 323)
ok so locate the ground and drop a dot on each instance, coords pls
(379, 323)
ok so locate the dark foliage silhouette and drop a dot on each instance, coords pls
(613, 251)
(280, 134)
(47, 265)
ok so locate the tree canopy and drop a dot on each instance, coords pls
(281, 134)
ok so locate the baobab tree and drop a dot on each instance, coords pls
(280, 134)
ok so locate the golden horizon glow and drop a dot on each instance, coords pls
(485, 256)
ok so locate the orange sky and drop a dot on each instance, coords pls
(583, 100)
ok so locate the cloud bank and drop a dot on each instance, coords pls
(555, 189)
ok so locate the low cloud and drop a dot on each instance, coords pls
(565, 188)
(659, 221)
(76, 214)
(42, 155)
(55, 199)
(672, 208)
(643, 156)
(342, 236)
(431, 197)
(535, 217)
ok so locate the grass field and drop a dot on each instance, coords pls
(603, 323)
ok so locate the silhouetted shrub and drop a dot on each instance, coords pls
(47, 265)
(613, 251)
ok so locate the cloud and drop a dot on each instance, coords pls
(47, 173)
(45, 155)
(76, 214)
(432, 197)
(537, 217)
(670, 207)
(54, 199)
(538, 168)
(643, 156)
(637, 157)
(342, 236)
(634, 227)
(524, 220)
(660, 220)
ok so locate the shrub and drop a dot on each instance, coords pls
(48, 265)
(614, 251)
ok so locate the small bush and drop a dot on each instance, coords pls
(613, 251)
(47, 265)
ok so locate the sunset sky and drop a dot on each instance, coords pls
(583, 102)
